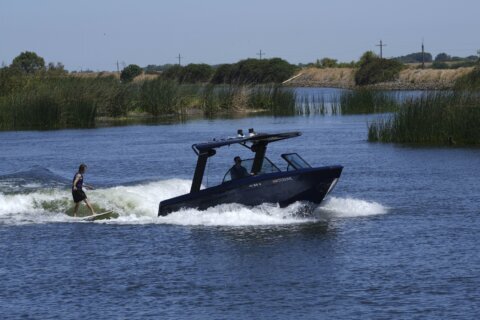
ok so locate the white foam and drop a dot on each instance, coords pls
(349, 207)
(138, 204)
(236, 215)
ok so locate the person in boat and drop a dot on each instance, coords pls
(77, 190)
(238, 171)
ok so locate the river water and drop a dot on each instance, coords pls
(397, 238)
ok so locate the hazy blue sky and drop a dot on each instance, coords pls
(95, 34)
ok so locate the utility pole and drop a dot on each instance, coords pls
(423, 55)
(261, 54)
(179, 57)
(381, 45)
(118, 67)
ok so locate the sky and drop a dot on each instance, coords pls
(95, 34)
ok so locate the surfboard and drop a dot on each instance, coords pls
(99, 216)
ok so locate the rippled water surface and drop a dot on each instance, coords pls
(398, 237)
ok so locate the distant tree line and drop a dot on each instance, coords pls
(416, 57)
(273, 70)
(333, 63)
(192, 73)
(249, 71)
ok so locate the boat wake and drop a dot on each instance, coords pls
(138, 204)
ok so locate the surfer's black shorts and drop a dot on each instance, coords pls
(78, 195)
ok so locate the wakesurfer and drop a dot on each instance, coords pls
(77, 190)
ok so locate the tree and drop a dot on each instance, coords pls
(28, 62)
(56, 69)
(442, 57)
(373, 69)
(328, 63)
(367, 57)
(130, 72)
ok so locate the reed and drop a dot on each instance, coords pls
(439, 118)
(160, 96)
(47, 104)
(359, 101)
(273, 98)
(269, 98)
(366, 101)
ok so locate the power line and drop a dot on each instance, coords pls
(423, 55)
(381, 45)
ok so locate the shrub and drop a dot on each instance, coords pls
(327, 63)
(130, 72)
(373, 69)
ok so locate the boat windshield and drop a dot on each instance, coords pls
(267, 167)
(295, 162)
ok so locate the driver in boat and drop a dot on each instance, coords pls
(238, 171)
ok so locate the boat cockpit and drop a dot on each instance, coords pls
(294, 162)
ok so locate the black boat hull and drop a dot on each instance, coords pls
(284, 188)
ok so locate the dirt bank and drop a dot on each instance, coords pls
(409, 79)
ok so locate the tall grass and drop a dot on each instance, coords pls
(46, 102)
(160, 96)
(274, 99)
(268, 98)
(365, 101)
(359, 101)
(441, 118)
(49, 104)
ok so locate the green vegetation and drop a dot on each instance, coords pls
(358, 101)
(445, 61)
(366, 101)
(441, 118)
(130, 72)
(453, 65)
(437, 118)
(33, 96)
(443, 57)
(373, 69)
(28, 62)
(254, 71)
(470, 81)
(416, 57)
(333, 63)
(192, 73)
(244, 72)
(49, 103)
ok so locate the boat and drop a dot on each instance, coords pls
(264, 183)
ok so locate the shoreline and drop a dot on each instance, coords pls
(408, 79)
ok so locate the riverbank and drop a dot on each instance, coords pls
(408, 79)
